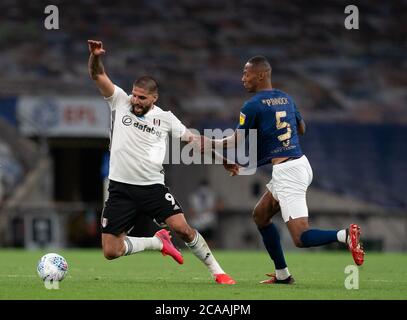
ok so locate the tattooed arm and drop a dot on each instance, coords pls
(96, 69)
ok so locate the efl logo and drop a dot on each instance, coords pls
(242, 118)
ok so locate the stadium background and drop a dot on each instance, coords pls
(350, 86)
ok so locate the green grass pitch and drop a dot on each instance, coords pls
(149, 275)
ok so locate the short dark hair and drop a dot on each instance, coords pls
(260, 61)
(148, 83)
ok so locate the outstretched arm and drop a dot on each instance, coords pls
(232, 141)
(206, 146)
(96, 69)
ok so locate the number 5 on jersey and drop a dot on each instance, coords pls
(285, 137)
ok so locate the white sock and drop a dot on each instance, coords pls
(341, 235)
(282, 274)
(134, 245)
(200, 249)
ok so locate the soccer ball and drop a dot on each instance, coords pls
(52, 267)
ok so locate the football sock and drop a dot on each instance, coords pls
(200, 249)
(271, 240)
(134, 245)
(341, 235)
(282, 274)
(315, 237)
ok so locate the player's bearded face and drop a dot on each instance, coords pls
(142, 101)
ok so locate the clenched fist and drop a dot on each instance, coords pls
(96, 47)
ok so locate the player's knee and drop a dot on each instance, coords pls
(297, 242)
(111, 253)
(255, 215)
(260, 219)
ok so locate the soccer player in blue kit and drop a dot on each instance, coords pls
(278, 122)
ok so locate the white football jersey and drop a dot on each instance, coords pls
(138, 144)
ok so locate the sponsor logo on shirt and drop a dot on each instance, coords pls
(146, 128)
(127, 121)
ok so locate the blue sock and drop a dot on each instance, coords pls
(315, 237)
(271, 239)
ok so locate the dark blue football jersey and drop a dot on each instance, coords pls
(275, 116)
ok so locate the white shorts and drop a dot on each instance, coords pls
(289, 184)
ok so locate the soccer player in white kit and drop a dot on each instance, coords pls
(136, 178)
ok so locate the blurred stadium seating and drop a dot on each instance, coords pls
(17, 157)
(349, 85)
(196, 50)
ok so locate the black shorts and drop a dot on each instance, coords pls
(127, 201)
